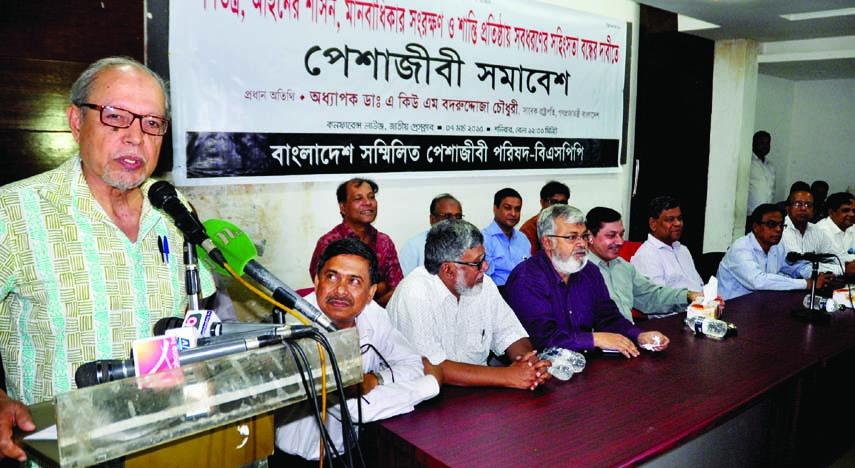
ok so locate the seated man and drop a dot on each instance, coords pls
(553, 193)
(838, 224)
(396, 377)
(454, 315)
(662, 258)
(442, 207)
(358, 207)
(800, 235)
(505, 246)
(563, 301)
(628, 287)
(757, 261)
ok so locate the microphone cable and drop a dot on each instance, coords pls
(305, 369)
(349, 437)
(302, 319)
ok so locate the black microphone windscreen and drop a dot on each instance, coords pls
(167, 323)
(160, 192)
(87, 375)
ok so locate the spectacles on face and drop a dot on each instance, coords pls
(557, 201)
(573, 238)
(774, 224)
(449, 216)
(117, 117)
(799, 204)
(478, 265)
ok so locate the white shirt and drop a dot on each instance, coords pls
(746, 268)
(761, 183)
(844, 241)
(813, 240)
(441, 328)
(668, 265)
(405, 386)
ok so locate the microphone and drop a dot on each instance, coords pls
(163, 196)
(102, 371)
(240, 253)
(793, 257)
(236, 328)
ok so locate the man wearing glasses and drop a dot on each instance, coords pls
(627, 286)
(800, 235)
(443, 207)
(81, 272)
(757, 261)
(454, 315)
(553, 193)
(562, 300)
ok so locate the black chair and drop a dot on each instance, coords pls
(708, 265)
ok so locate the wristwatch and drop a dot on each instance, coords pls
(377, 376)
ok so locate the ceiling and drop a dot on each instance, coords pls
(811, 57)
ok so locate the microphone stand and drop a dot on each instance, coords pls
(191, 275)
(811, 314)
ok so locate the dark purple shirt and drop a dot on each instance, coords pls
(559, 314)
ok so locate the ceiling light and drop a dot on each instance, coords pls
(819, 14)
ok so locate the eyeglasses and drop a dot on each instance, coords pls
(478, 265)
(572, 238)
(799, 204)
(117, 117)
(449, 216)
(774, 224)
(557, 201)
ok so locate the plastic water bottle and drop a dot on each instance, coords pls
(710, 327)
(823, 303)
(564, 362)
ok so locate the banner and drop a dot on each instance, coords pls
(276, 90)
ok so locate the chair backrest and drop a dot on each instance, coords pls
(708, 264)
(628, 249)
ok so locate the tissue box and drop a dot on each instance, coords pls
(697, 308)
(841, 296)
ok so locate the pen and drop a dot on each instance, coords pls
(166, 248)
(160, 248)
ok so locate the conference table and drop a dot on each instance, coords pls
(765, 397)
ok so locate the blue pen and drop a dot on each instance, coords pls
(166, 248)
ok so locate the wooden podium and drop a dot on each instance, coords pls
(214, 413)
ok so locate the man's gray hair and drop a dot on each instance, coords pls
(546, 220)
(82, 88)
(448, 241)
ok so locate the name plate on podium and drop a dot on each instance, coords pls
(108, 421)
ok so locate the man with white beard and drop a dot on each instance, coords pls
(453, 314)
(562, 300)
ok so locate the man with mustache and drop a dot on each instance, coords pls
(838, 225)
(562, 300)
(396, 377)
(81, 271)
(454, 315)
(757, 261)
(800, 235)
(357, 204)
(627, 286)
(662, 258)
(505, 245)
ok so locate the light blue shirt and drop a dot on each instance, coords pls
(504, 254)
(746, 268)
(412, 255)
